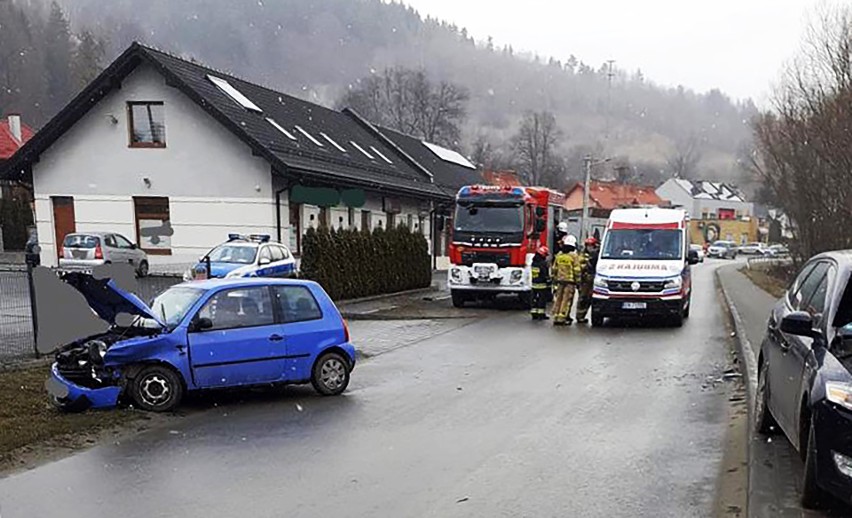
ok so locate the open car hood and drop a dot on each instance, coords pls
(107, 299)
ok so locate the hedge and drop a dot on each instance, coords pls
(15, 216)
(351, 264)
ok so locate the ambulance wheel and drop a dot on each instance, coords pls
(458, 299)
(597, 319)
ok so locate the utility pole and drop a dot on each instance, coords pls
(609, 75)
(584, 217)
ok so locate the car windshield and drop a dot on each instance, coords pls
(80, 241)
(241, 254)
(171, 306)
(489, 218)
(642, 244)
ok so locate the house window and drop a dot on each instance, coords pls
(147, 124)
(391, 220)
(366, 220)
(153, 226)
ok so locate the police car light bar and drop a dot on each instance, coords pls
(234, 237)
(263, 238)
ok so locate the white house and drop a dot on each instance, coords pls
(176, 155)
(707, 200)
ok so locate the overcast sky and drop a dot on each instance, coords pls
(737, 46)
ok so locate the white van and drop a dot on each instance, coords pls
(644, 266)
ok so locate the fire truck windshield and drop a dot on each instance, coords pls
(489, 218)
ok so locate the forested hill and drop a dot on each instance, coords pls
(318, 48)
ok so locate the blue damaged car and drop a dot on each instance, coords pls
(199, 335)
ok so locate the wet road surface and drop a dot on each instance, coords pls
(502, 417)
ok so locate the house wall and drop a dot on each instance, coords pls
(670, 190)
(214, 184)
(709, 230)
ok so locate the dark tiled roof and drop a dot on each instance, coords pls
(448, 175)
(300, 158)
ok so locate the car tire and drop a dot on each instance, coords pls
(143, 269)
(812, 494)
(597, 319)
(458, 299)
(688, 308)
(677, 319)
(156, 388)
(764, 423)
(330, 375)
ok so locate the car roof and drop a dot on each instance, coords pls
(95, 233)
(209, 284)
(842, 257)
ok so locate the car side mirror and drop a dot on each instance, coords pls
(133, 246)
(692, 257)
(264, 261)
(539, 211)
(540, 225)
(200, 324)
(798, 323)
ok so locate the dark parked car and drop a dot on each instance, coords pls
(804, 379)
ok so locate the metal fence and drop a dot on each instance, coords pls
(17, 328)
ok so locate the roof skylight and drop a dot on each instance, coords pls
(359, 148)
(376, 151)
(280, 128)
(332, 142)
(310, 137)
(234, 94)
(449, 155)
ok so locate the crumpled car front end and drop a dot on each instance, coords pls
(80, 379)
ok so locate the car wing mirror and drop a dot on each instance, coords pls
(540, 225)
(798, 323)
(264, 261)
(539, 211)
(133, 246)
(201, 324)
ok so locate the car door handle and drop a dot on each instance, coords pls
(275, 338)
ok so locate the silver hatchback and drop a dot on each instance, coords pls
(85, 250)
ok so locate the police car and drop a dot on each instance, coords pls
(245, 256)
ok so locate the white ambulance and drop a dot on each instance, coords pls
(644, 266)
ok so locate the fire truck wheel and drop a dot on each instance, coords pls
(458, 299)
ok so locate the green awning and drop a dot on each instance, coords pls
(327, 196)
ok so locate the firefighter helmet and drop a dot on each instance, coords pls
(570, 240)
(591, 241)
(562, 227)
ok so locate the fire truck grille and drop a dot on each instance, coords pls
(502, 259)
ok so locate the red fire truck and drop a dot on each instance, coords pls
(496, 231)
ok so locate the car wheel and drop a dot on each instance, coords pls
(597, 319)
(677, 319)
(688, 308)
(330, 375)
(764, 423)
(143, 269)
(812, 494)
(156, 388)
(458, 299)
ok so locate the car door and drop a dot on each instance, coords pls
(788, 363)
(264, 262)
(111, 251)
(776, 347)
(132, 256)
(305, 328)
(286, 266)
(243, 346)
(800, 358)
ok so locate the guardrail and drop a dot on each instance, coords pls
(763, 260)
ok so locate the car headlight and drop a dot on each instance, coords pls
(516, 276)
(600, 282)
(455, 273)
(97, 350)
(675, 282)
(839, 393)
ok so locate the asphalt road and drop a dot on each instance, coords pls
(502, 417)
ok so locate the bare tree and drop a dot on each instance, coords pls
(804, 143)
(408, 101)
(536, 145)
(683, 161)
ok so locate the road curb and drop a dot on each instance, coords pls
(384, 296)
(748, 368)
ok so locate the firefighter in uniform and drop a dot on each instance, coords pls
(589, 263)
(566, 274)
(540, 283)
